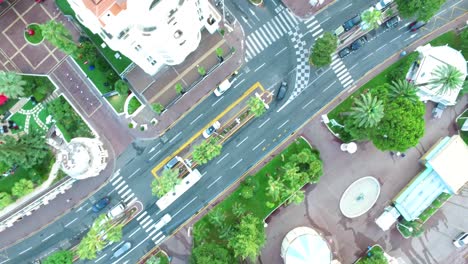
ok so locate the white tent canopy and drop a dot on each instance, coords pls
(303, 245)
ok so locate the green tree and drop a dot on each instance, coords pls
(371, 19)
(114, 233)
(296, 197)
(216, 217)
(219, 52)
(26, 151)
(11, 84)
(211, 253)
(464, 39)
(201, 70)
(423, 9)
(324, 47)
(402, 126)
(404, 89)
(87, 51)
(60, 257)
(248, 239)
(367, 111)
(22, 187)
(256, 106)
(238, 209)
(445, 79)
(58, 35)
(66, 118)
(225, 231)
(90, 245)
(200, 232)
(5, 199)
(247, 192)
(166, 182)
(179, 88)
(157, 107)
(375, 256)
(121, 87)
(206, 151)
(275, 188)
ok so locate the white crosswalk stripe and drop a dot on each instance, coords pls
(268, 32)
(153, 232)
(117, 180)
(120, 185)
(284, 21)
(159, 240)
(265, 36)
(148, 223)
(289, 19)
(280, 24)
(317, 32)
(277, 36)
(311, 24)
(123, 189)
(334, 62)
(251, 43)
(342, 73)
(147, 218)
(345, 79)
(339, 68)
(337, 64)
(309, 19)
(129, 197)
(141, 216)
(259, 37)
(126, 193)
(348, 83)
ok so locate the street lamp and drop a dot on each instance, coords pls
(407, 227)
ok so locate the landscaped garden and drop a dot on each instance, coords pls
(235, 229)
(133, 105)
(373, 256)
(33, 34)
(415, 228)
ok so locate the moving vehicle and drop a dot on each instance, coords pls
(116, 211)
(344, 52)
(282, 91)
(352, 22)
(207, 133)
(392, 22)
(101, 204)
(164, 220)
(172, 163)
(461, 240)
(358, 43)
(382, 4)
(225, 85)
(124, 248)
(416, 25)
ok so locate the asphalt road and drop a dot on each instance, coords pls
(276, 62)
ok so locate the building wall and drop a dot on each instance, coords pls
(149, 32)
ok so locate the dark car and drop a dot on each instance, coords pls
(352, 22)
(344, 52)
(358, 43)
(416, 25)
(101, 204)
(392, 22)
(282, 91)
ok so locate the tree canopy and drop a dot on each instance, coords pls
(206, 151)
(210, 253)
(423, 9)
(26, 152)
(248, 239)
(371, 18)
(67, 119)
(256, 106)
(166, 182)
(22, 187)
(367, 111)
(322, 50)
(58, 35)
(60, 257)
(11, 84)
(5, 199)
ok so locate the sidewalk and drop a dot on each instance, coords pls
(304, 9)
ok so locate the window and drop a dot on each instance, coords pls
(182, 43)
(178, 34)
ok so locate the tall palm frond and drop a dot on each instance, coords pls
(368, 111)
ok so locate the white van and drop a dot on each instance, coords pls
(116, 211)
(225, 85)
(164, 220)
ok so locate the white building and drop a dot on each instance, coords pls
(430, 59)
(151, 33)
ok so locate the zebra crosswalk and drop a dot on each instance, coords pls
(148, 224)
(123, 190)
(313, 27)
(341, 72)
(282, 24)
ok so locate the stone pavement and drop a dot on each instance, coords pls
(304, 9)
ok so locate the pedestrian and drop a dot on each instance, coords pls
(398, 154)
(68, 200)
(403, 155)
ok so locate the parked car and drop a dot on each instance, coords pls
(225, 85)
(352, 22)
(438, 110)
(124, 248)
(116, 211)
(392, 22)
(164, 220)
(282, 91)
(101, 204)
(382, 4)
(172, 163)
(416, 25)
(461, 240)
(207, 133)
(358, 43)
(344, 52)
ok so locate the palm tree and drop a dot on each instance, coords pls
(57, 34)
(446, 78)
(216, 217)
(11, 84)
(90, 244)
(371, 19)
(368, 111)
(121, 87)
(404, 89)
(225, 231)
(114, 233)
(296, 197)
(165, 183)
(238, 209)
(275, 188)
(256, 106)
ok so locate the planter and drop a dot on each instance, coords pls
(256, 2)
(36, 38)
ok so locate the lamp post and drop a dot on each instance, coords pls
(407, 227)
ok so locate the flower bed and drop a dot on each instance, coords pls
(133, 105)
(37, 37)
(373, 256)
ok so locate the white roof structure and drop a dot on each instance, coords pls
(303, 245)
(83, 158)
(431, 58)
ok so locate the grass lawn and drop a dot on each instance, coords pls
(117, 102)
(257, 204)
(376, 254)
(452, 39)
(37, 37)
(28, 106)
(20, 120)
(133, 105)
(9, 104)
(119, 64)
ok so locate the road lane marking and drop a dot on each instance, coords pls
(48, 237)
(239, 83)
(381, 47)
(4, 261)
(129, 197)
(352, 67)
(146, 219)
(347, 6)
(308, 103)
(203, 174)
(123, 189)
(264, 123)
(97, 260)
(283, 49)
(134, 232)
(79, 209)
(148, 223)
(178, 134)
(217, 101)
(22, 252)
(117, 245)
(227, 154)
(370, 54)
(237, 163)
(184, 206)
(285, 122)
(128, 252)
(126, 193)
(193, 121)
(89, 209)
(259, 67)
(242, 141)
(399, 36)
(120, 185)
(135, 172)
(211, 184)
(152, 157)
(329, 86)
(71, 222)
(258, 144)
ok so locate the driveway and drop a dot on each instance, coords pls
(349, 238)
